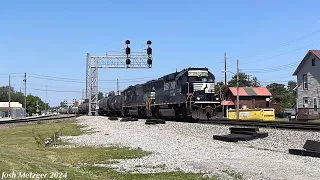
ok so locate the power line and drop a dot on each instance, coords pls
(56, 90)
(282, 53)
(272, 69)
(280, 45)
(82, 80)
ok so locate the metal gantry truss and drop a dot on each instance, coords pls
(112, 59)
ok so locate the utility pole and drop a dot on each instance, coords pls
(25, 93)
(117, 87)
(37, 107)
(82, 94)
(45, 105)
(237, 89)
(225, 68)
(9, 113)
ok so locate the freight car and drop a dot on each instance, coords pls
(69, 110)
(186, 95)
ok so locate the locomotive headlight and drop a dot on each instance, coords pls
(198, 98)
(217, 99)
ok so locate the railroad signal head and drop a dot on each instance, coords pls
(128, 50)
(149, 42)
(149, 50)
(127, 42)
(149, 61)
(128, 61)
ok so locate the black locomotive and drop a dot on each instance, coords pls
(187, 95)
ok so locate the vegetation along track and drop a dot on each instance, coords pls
(39, 118)
(274, 124)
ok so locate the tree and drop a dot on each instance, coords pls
(4, 96)
(100, 95)
(19, 97)
(62, 104)
(291, 85)
(243, 81)
(255, 82)
(285, 96)
(277, 90)
(32, 104)
(221, 90)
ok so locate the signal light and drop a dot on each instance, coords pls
(128, 61)
(149, 61)
(128, 50)
(127, 41)
(149, 42)
(149, 50)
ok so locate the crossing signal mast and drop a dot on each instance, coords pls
(127, 59)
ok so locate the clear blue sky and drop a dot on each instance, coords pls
(51, 38)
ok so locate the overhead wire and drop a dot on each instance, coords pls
(277, 46)
(82, 80)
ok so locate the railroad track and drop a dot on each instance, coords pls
(274, 124)
(38, 118)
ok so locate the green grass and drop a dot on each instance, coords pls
(317, 120)
(19, 152)
(235, 175)
(92, 155)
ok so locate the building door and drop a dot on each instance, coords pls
(305, 102)
(315, 105)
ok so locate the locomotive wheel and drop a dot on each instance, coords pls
(161, 121)
(150, 122)
(133, 119)
(208, 114)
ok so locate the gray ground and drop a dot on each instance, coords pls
(190, 147)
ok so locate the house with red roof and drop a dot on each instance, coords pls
(249, 97)
(308, 86)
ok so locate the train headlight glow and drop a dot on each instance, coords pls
(198, 98)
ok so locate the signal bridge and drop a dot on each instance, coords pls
(113, 59)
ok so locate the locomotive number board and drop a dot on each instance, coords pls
(197, 73)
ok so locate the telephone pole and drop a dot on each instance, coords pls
(9, 113)
(25, 93)
(82, 94)
(117, 87)
(45, 104)
(37, 107)
(225, 68)
(237, 89)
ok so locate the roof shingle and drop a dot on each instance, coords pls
(250, 91)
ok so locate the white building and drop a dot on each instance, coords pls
(16, 109)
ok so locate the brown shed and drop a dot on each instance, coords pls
(249, 97)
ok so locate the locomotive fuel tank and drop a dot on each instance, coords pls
(167, 112)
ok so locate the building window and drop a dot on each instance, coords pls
(315, 104)
(305, 102)
(305, 81)
(313, 62)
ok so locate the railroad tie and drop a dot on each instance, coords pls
(311, 148)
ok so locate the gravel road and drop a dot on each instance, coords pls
(190, 147)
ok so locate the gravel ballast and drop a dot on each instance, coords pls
(190, 147)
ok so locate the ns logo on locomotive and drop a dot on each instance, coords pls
(187, 95)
